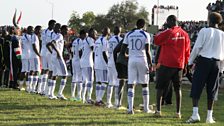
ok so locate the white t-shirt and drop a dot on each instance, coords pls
(26, 46)
(75, 49)
(34, 40)
(59, 43)
(209, 44)
(136, 41)
(46, 37)
(99, 48)
(87, 53)
(112, 43)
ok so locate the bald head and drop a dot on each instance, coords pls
(171, 21)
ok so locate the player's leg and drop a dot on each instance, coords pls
(177, 78)
(90, 85)
(34, 63)
(79, 84)
(104, 82)
(84, 84)
(52, 86)
(212, 88)
(132, 78)
(62, 71)
(112, 82)
(163, 78)
(143, 79)
(98, 85)
(198, 82)
(73, 84)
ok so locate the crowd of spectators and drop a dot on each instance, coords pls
(218, 6)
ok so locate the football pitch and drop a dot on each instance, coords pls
(21, 108)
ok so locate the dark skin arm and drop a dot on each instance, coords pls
(49, 47)
(93, 52)
(80, 53)
(53, 47)
(123, 49)
(147, 50)
(105, 57)
(35, 50)
(117, 50)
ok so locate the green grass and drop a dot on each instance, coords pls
(20, 108)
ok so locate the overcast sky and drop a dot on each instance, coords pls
(38, 12)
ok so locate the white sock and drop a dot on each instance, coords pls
(39, 84)
(195, 111)
(102, 90)
(35, 80)
(98, 86)
(27, 85)
(53, 85)
(130, 98)
(44, 83)
(62, 86)
(145, 95)
(30, 80)
(49, 87)
(109, 93)
(84, 92)
(89, 90)
(116, 96)
(21, 84)
(209, 114)
(79, 90)
(73, 87)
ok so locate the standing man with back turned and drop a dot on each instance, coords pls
(173, 58)
(138, 42)
(209, 48)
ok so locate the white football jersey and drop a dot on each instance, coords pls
(87, 53)
(46, 37)
(34, 40)
(59, 43)
(136, 41)
(75, 49)
(26, 46)
(99, 48)
(112, 43)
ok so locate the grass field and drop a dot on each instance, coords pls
(21, 108)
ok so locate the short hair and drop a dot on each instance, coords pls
(51, 22)
(29, 27)
(58, 24)
(37, 27)
(140, 23)
(64, 27)
(82, 32)
(215, 18)
(91, 30)
(172, 18)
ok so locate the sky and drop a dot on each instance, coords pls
(39, 12)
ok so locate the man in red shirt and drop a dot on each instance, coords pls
(174, 55)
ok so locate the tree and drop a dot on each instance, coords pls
(101, 21)
(88, 18)
(75, 21)
(126, 13)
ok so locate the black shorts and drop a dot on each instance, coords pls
(166, 74)
(122, 71)
(206, 73)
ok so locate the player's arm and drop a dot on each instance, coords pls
(54, 48)
(117, 49)
(105, 57)
(35, 50)
(49, 45)
(147, 50)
